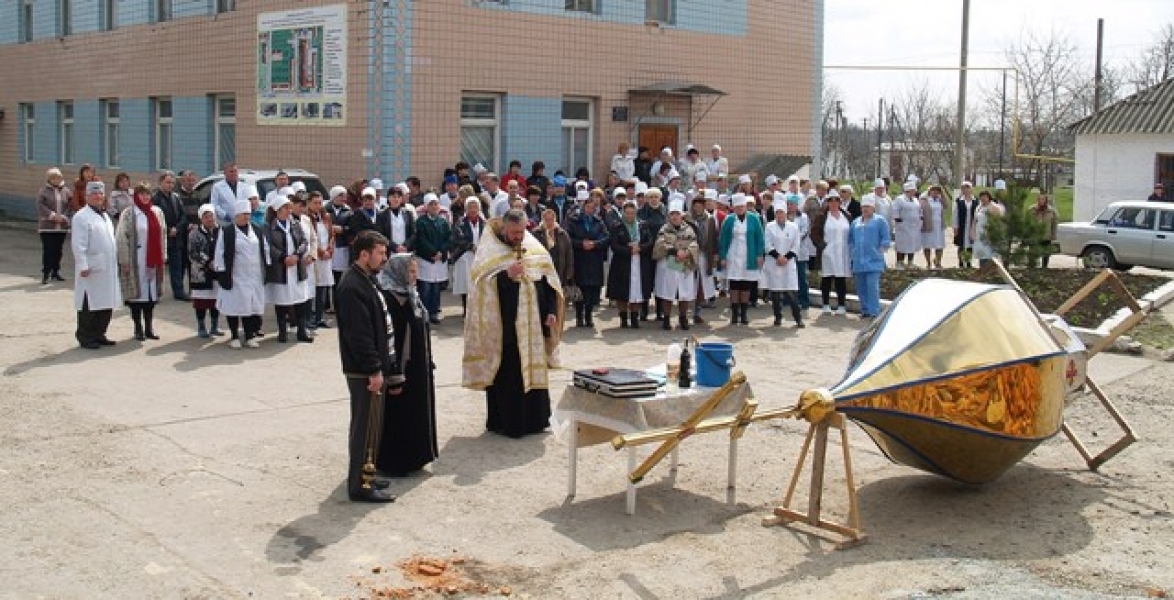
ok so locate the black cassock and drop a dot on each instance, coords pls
(513, 412)
(409, 418)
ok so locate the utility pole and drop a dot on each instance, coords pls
(960, 135)
(1098, 81)
(840, 138)
(880, 122)
(1003, 126)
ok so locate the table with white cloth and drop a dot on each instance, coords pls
(584, 418)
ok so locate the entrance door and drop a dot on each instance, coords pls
(656, 137)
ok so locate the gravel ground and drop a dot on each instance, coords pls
(179, 469)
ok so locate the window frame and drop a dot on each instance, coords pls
(574, 124)
(653, 11)
(218, 120)
(66, 132)
(64, 17)
(162, 123)
(225, 6)
(28, 118)
(589, 7)
(27, 16)
(108, 15)
(164, 11)
(111, 156)
(494, 122)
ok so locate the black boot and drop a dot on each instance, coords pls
(733, 314)
(136, 315)
(644, 312)
(302, 316)
(635, 319)
(776, 302)
(579, 314)
(282, 326)
(623, 320)
(664, 318)
(149, 322)
(588, 314)
(745, 318)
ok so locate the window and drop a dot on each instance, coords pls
(480, 141)
(660, 11)
(223, 6)
(29, 117)
(65, 17)
(587, 6)
(26, 20)
(163, 124)
(225, 130)
(65, 116)
(1133, 218)
(107, 20)
(1166, 220)
(162, 11)
(577, 151)
(110, 133)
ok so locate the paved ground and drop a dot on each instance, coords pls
(179, 469)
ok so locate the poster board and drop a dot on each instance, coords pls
(302, 66)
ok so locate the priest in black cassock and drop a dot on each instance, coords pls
(409, 422)
(515, 320)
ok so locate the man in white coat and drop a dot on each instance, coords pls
(95, 257)
(227, 194)
(907, 225)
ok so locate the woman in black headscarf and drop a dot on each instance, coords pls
(409, 421)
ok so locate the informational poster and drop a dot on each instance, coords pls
(301, 66)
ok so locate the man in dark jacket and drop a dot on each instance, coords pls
(364, 331)
(177, 227)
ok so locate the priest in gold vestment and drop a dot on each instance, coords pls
(515, 319)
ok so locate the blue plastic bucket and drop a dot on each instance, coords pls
(714, 361)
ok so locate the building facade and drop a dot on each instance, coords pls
(390, 88)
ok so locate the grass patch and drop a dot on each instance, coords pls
(1154, 332)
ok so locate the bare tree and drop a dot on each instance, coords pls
(1156, 63)
(923, 140)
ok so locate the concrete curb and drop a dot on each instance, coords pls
(1153, 300)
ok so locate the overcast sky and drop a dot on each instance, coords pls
(928, 33)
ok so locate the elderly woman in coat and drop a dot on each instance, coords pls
(201, 240)
(558, 243)
(142, 256)
(53, 213)
(630, 278)
(589, 238)
(676, 252)
(287, 269)
(466, 235)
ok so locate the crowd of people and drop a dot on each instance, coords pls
(660, 240)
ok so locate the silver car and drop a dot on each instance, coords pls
(1124, 235)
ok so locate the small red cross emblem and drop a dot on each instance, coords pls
(1071, 373)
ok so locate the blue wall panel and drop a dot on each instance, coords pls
(85, 15)
(532, 131)
(135, 129)
(44, 19)
(86, 127)
(721, 17)
(45, 132)
(133, 12)
(190, 8)
(396, 97)
(192, 131)
(9, 22)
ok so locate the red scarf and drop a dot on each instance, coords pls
(154, 233)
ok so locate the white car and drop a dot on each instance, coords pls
(1124, 235)
(262, 179)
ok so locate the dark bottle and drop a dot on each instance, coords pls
(685, 377)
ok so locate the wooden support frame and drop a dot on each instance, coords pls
(842, 535)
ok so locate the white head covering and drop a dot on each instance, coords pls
(673, 174)
(909, 186)
(251, 192)
(429, 198)
(205, 208)
(1000, 184)
(743, 179)
(95, 187)
(298, 186)
(470, 201)
(337, 191)
(242, 207)
(369, 191)
(286, 191)
(677, 205)
(479, 168)
(847, 188)
(716, 147)
(868, 201)
(913, 178)
(666, 150)
(403, 187)
(619, 191)
(794, 178)
(711, 194)
(278, 202)
(779, 203)
(778, 197)
(771, 180)
(967, 184)
(739, 199)
(723, 199)
(641, 188)
(832, 194)
(580, 185)
(878, 182)
(701, 176)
